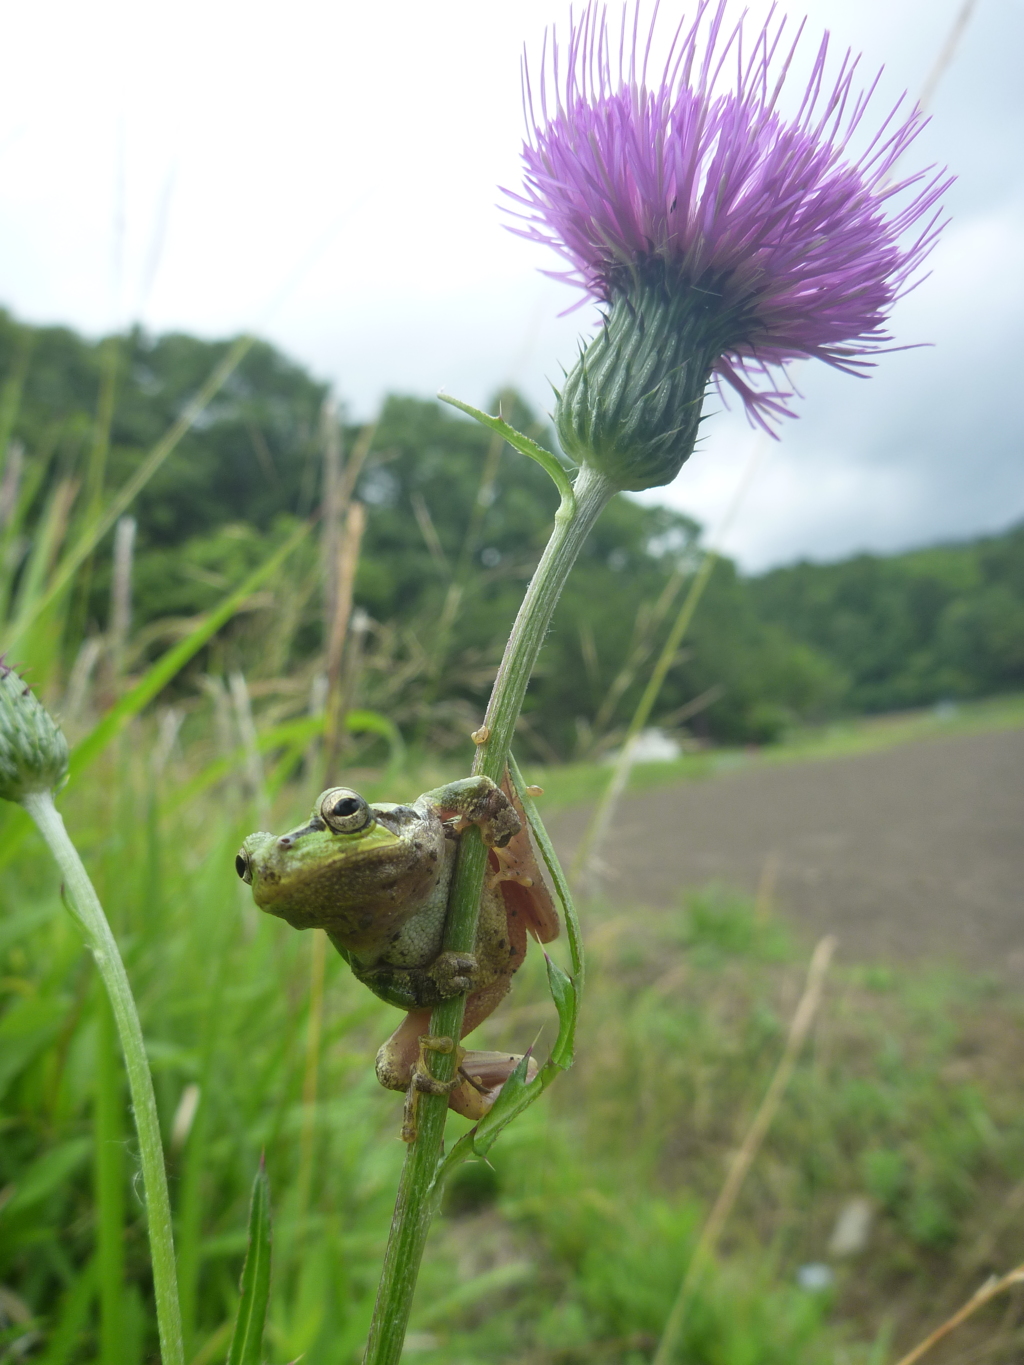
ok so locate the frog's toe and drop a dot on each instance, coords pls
(454, 973)
(501, 826)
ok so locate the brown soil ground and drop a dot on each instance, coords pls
(913, 852)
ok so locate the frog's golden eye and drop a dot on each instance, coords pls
(243, 867)
(344, 810)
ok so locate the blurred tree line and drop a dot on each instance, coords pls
(455, 523)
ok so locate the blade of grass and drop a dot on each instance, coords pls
(87, 542)
(10, 394)
(741, 1163)
(22, 498)
(992, 1287)
(345, 567)
(88, 912)
(290, 734)
(311, 1074)
(583, 870)
(190, 1203)
(74, 1313)
(247, 1342)
(160, 674)
(46, 542)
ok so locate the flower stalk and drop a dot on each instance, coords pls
(33, 765)
(85, 906)
(420, 1187)
(723, 241)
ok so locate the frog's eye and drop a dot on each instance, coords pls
(344, 810)
(243, 867)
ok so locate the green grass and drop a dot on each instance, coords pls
(569, 1247)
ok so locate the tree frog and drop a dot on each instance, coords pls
(377, 877)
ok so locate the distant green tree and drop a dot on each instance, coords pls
(909, 629)
(456, 523)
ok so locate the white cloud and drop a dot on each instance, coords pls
(328, 173)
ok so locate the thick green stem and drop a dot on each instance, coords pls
(86, 908)
(417, 1192)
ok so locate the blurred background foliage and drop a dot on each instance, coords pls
(294, 596)
(454, 526)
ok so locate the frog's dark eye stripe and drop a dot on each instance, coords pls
(242, 866)
(344, 810)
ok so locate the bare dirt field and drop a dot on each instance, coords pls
(913, 852)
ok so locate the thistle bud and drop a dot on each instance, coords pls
(631, 405)
(33, 750)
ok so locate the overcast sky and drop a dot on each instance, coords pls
(327, 173)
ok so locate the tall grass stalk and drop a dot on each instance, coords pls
(74, 558)
(121, 595)
(87, 910)
(741, 1163)
(418, 1193)
(990, 1290)
(584, 870)
(344, 570)
(256, 778)
(455, 593)
(311, 1074)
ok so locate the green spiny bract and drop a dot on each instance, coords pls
(631, 405)
(33, 750)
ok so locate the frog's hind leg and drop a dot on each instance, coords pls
(398, 1056)
(401, 1063)
(483, 1074)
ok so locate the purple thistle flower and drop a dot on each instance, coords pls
(765, 236)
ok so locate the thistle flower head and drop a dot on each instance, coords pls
(777, 236)
(33, 750)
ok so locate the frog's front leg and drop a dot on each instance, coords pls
(477, 801)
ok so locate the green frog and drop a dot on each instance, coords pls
(376, 878)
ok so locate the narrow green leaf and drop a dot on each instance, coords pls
(516, 1095)
(525, 446)
(472, 1291)
(71, 1318)
(373, 723)
(160, 674)
(80, 552)
(563, 993)
(26, 1030)
(290, 734)
(558, 877)
(22, 922)
(504, 1109)
(247, 1341)
(48, 1172)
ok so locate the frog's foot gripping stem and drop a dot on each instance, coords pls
(422, 1082)
(477, 801)
(453, 973)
